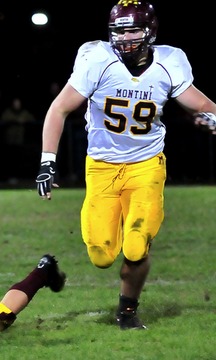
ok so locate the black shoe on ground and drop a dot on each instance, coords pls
(6, 320)
(128, 319)
(56, 277)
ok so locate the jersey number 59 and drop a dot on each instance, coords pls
(143, 113)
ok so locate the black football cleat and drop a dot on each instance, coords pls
(56, 278)
(6, 320)
(128, 319)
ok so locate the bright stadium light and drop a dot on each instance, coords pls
(39, 18)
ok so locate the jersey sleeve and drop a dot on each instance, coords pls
(86, 70)
(181, 73)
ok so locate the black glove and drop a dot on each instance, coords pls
(46, 177)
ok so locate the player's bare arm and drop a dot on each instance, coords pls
(200, 106)
(68, 100)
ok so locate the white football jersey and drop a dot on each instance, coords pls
(124, 111)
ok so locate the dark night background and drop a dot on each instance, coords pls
(34, 57)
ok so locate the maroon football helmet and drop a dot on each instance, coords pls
(132, 14)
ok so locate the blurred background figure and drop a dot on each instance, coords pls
(54, 90)
(47, 95)
(14, 121)
(15, 116)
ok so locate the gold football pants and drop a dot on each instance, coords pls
(123, 208)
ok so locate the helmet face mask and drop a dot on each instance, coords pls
(132, 16)
(128, 45)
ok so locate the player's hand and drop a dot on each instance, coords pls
(46, 179)
(206, 121)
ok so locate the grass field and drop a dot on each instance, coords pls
(178, 304)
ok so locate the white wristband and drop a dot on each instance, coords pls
(48, 156)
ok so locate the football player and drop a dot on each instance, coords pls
(46, 274)
(127, 81)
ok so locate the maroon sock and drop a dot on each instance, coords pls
(32, 283)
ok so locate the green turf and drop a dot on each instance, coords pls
(178, 304)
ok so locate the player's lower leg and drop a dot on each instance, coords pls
(46, 274)
(133, 276)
